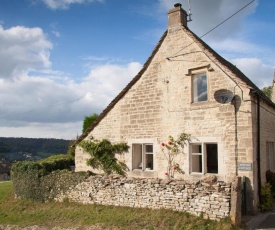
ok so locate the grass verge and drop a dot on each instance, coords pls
(28, 213)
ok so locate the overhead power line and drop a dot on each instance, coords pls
(174, 55)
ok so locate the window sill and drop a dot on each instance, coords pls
(140, 170)
(142, 174)
(205, 104)
(196, 174)
(197, 103)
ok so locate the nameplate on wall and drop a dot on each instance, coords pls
(245, 166)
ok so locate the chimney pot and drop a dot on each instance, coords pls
(177, 5)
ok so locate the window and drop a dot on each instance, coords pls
(270, 158)
(199, 88)
(143, 157)
(204, 158)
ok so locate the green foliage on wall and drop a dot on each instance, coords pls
(38, 180)
(103, 155)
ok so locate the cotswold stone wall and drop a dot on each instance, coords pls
(210, 199)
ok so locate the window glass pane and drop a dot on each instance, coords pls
(149, 148)
(196, 148)
(149, 161)
(199, 88)
(197, 163)
(137, 156)
(212, 158)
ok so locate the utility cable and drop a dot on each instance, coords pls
(174, 55)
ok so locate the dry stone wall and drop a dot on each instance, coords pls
(210, 199)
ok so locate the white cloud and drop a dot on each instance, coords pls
(40, 102)
(236, 46)
(112, 77)
(208, 14)
(37, 130)
(260, 73)
(65, 4)
(23, 49)
(57, 106)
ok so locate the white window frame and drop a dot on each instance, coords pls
(203, 154)
(142, 165)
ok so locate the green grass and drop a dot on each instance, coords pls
(28, 213)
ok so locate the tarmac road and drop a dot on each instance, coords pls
(262, 221)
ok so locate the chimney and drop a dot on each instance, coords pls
(177, 16)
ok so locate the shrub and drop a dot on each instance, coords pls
(29, 176)
(57, 162)
(266, 198)
(26, 179)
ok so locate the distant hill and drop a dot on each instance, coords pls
(14, 149)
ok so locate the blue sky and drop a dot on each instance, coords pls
(62, 60)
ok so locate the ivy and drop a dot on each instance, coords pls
(102, 154)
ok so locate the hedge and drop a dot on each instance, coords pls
(39, 180)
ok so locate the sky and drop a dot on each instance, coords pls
(62, 60)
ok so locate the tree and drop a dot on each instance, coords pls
(103, 155)
(267, 91)
(88, 121)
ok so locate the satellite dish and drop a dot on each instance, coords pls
(223, 96)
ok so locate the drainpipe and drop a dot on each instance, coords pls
(236, 136)
(258, 147)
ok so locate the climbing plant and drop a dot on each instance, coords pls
(103, 155)
(171, 149)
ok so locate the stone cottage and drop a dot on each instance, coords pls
(185, 86)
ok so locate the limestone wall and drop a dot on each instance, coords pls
(210, 199)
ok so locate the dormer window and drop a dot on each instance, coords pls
(199, 87)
